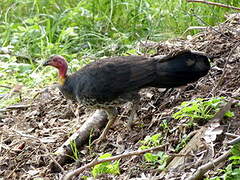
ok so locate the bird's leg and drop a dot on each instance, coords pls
(112, 115)
(135, 105)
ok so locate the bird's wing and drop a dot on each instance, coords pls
(112, 77)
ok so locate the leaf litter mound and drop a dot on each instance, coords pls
(30, 133)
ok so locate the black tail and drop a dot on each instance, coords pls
(180, 69)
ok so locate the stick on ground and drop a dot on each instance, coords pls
(204, 168)
(76, 172)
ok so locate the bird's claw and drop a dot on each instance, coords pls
(96, 141)
(101, 138)
(130, 124)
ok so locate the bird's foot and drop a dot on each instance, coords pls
(133, 114)
(131, 120)
(112, 114)
(130, 124)
(100, 139)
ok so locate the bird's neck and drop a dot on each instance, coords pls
(62, 74)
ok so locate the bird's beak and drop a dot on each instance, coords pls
(47, 63)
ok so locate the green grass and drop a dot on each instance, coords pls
(82, 30)
(38, 28)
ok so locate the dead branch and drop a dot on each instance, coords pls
(214, 4)
(232, 135)
(76, 172)
(234, 141)
(97, 121)
(16, 106)
(210, 165)
(220, 114)
(195, 28)
(3, 86)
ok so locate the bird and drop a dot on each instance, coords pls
(110, 82)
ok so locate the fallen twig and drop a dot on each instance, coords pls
(96, 161)
(3, 86)
(214, 4)
(204, 168)
(17, 106)
(207, 25)
(178, 155)
(234, 141)
(231, 135)
(195, 28)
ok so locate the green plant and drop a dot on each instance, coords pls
(159, 158)
(182, 144)
(164, 124)
(232, 171)
(74, 149)
(201, 109)
(151, 141)
(235, 154)
(154, 158)
(106, 167)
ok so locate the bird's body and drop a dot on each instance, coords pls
(107, 80)
(113, 81)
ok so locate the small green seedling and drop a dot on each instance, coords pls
(74, 149)
(235, 154)
(106, 167)
(158, 158)
(164, 124)
(154, 158)
(182, 144)
(151, 141)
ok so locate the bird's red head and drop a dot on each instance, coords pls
(61, 64)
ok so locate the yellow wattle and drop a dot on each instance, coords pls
(61, 80)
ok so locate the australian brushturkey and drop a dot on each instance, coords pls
(113, 81)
